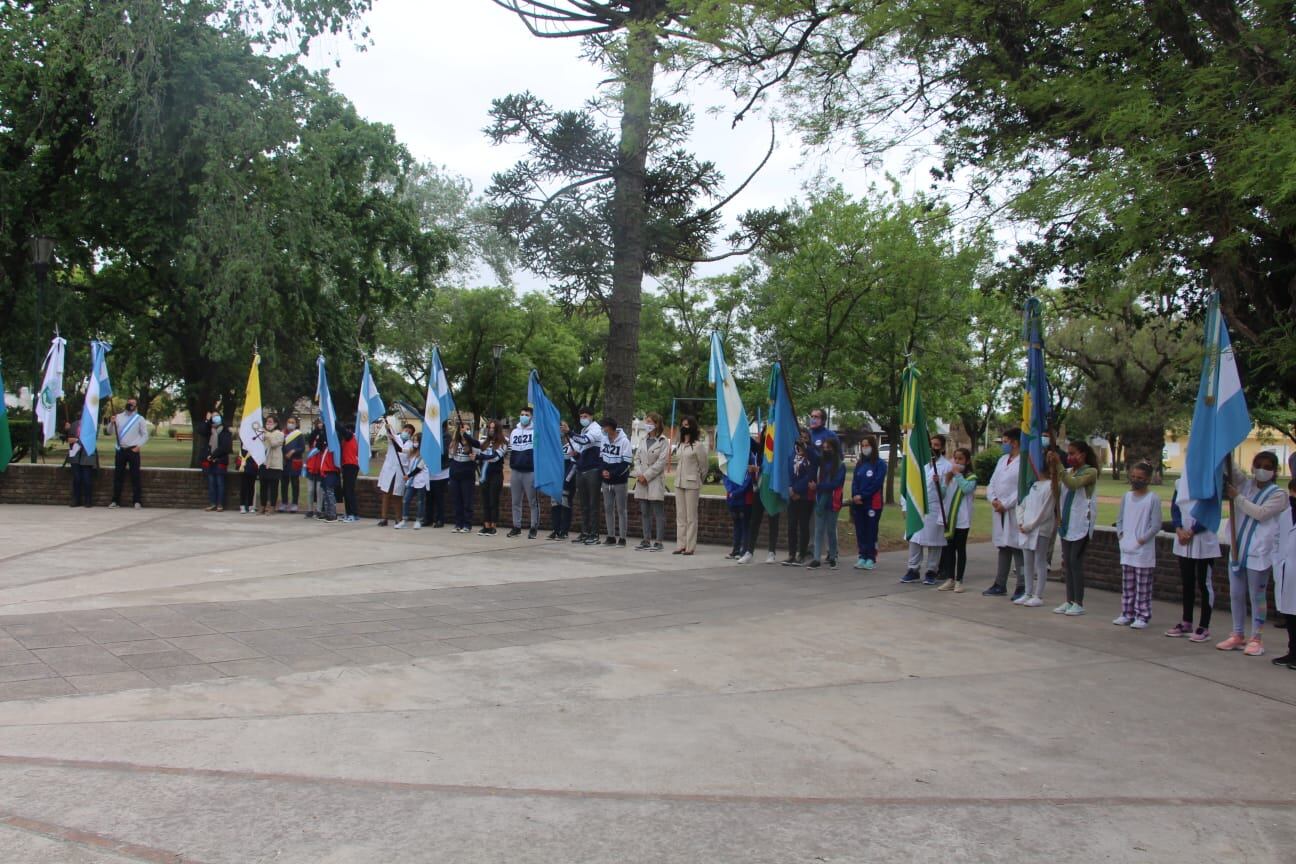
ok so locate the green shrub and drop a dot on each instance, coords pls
(983, 463)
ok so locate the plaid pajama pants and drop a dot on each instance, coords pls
(1136, 592)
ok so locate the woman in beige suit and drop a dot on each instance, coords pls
(651, 458)
(272, 470)
(691, 462)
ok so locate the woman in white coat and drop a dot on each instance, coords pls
(1285, 575)
(391, 480)
(650, 460)
(1002, 493)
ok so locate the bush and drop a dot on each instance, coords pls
(983, 463)
(171, 432)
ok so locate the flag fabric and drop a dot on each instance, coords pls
(733, 440)
(327, 415)
(6, 443)
(51, 388)
(781, 430)
(915, 442)
(97, 388)
(1221, 421)
(547, 448)
(437, 408)
(251, 423)
(369, 410)
(1035, 402)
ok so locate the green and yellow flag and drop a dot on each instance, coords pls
(916, 452)
(6, 444)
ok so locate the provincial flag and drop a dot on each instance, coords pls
(1035, 402)
(778, 444)
(916, 449)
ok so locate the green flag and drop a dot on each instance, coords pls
(916, 449)
(6, 444)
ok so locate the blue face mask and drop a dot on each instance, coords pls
(524, 420)
(585, 421)
(404, 436)
(1006, 447)
(216, 419)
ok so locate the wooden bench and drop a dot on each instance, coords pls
(184, 436)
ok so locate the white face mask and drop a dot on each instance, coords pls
(585, 421)
(866, 451)
(1263, 475)
(650, 428)
(1044, 442)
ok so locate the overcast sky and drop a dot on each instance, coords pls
(434, 67)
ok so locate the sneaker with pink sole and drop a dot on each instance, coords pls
(1254, 647)
(1179, 630)
(1235, 642)
(1201, 634)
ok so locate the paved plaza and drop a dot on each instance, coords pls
(192, 687)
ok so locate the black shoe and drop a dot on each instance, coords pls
(580, 538)
(910, 577)
(484, 532)
(621, 542)
(644, 544)
(531, 535)
(591, 540)
(1018, 592)
(792, 562)
(611, 541)
(381, 524)
(553, 535)
(438, 524)
(832, 563)
(994, 591)
(1285, 660)
(814, 562)
(515, 532)
(657, 547)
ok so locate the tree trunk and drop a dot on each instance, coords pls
(629, 237)
(1144, 443)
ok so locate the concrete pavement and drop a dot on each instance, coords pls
(184, 686)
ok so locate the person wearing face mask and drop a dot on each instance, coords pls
(617, 456)
(522, 474)
(866, 501)
(1195, 547)
(649, 471)
(819, 433)
(350, 470)
(414, 498)
(494, 447)
(217, 444)
(1079, 513)
(317, 444)
(272, 471)
(395, 467)
(1035, 521)
(801, 501)
(692, 463)
(930, 541)
(1136, 528)
(294, 449)
(1285, 574)
(438, 482)
(827, 486)
(739, 497)
(463, 476)
(1002, 493)
(755, 469)
(586, 447)
(960, 494)
(131, 432)
(1260, 502)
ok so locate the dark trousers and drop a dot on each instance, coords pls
(126, 460)
(216, 487)
(754, 527)
(741, 525)
(83, 485)
(1073, 559)
(349, 475)
(436, 502)
(461, 493)
(587, 488)
(270, 486)
(954, 556)
(1194, 577)
(866, 530)
(562, 509)
(247, 492)
(491, 496)
(290, 483)
(799, 513)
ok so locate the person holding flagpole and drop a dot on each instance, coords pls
(1002, 493)
(84, 465)
(217, 444)
(272, 470)
(131, 432)
(293, 453)
(930, 541)
(1260, 501)
(395, 469)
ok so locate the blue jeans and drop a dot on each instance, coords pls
(825, 529)
(215, 487)
(413, 494)
(741, 520)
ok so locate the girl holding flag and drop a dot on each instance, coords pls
(1079, 511)
(960, 491)
(494, 447)
(1261, 502)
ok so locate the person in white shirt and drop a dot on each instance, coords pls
(416, 483)
(1285, 575)
(1136, 528)
(391, 479)
(930, 541)
(521, 449)
(1036, 519)
(1257, 503)
(131, 431)
(1002, 493)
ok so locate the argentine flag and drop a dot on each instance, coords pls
(251, 425)
(368, 411)
(327, 415)
(1220, 421)
(51, 388)
(97, 388)
(436, 410)
(733, 441)
(547, 449)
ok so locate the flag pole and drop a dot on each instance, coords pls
(1228, 481)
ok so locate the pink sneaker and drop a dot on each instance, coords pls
(1179, 630)
(1201, 634)
(1234, 642)
(1254, 648)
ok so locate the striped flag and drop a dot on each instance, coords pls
(733, 438)
(437, 408)
(6, 442)
(1035, 402)
(251, 423)
(1221, 421)
(548, 450)
(97, 388)
(781, 430)
(51, 388)
(916, 444)
(327, 415)
(368, 411)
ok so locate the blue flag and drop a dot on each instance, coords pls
(733, 436)
(368, 411)
(547, 449)
(327, 414)
(437, 409)
(1035, 402)
(780, 441)
(97, 389)
(1221, 421)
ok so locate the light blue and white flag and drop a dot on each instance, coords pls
(98, 388)
(327, 414)
(369, 410)
(438, 408)
(550, 471)
(1221, 421)
(733, 440)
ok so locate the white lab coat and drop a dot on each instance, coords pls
(395, 464)
(933, 530)
(1003, 488)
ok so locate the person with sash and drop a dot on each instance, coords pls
(1260, 502)
(395, 467)
(1079, 513)
(294, 449)
(1285, 575)
(930, 541)
(131, 432)
(1002, 493)
(960, 491)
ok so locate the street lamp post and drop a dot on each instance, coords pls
(497, 351)
(42, 248)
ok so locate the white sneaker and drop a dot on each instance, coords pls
(1021, 601)
(417, 525)
(746, 558)
(1138, 624)
(1062, 610)
(771, 558)
(1033, 602)
(399, 525)
(112, 506)
(139, 506)
(1076, 609)
(1122, 621)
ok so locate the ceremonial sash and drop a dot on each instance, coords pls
(130, 424)
(1249, 525)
